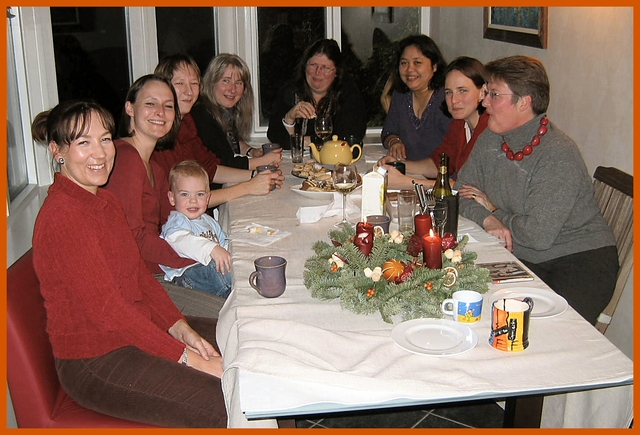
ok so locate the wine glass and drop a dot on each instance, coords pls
(345, 180)
(323, 127)
(439, 216)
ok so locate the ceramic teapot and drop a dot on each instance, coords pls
(336, 151)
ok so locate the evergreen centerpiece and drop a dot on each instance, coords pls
(389, 280)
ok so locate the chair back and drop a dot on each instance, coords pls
(37, 396)
(614, 193)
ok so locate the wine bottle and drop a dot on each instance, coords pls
(442, 187)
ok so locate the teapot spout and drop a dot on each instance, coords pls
(315, 152)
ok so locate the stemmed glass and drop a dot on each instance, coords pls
(439, 216)
(345, 180)
(323, 127)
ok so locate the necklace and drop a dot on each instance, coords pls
(528, 149)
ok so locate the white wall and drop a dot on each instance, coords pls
(589, 60)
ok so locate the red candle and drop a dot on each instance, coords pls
(364, 237)
(432, 250)
(422, 224)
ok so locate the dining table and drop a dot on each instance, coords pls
(296, 355)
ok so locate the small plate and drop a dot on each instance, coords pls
(311, 194)
(546, 303)
(434, 337)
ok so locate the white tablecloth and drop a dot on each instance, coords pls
(297, 353)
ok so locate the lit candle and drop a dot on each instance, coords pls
(432, 250)
(422, 224)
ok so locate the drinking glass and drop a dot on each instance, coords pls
(323, 127)
(345, 180)
(439, 216)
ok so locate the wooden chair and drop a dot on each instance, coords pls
(614, 193)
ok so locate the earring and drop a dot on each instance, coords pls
(61, 160)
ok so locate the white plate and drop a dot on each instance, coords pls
(311, 194)
(435, 337)
(546, 303)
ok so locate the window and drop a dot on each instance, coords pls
(283, 35)
(90, 50)
(187, 30)
(369, 41)
(16, 152)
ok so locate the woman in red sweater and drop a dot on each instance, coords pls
(121, 346)
(465, 88)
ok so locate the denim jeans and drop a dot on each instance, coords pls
(207, 279)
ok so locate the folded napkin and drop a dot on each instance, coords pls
(259, 235)
(307, 215)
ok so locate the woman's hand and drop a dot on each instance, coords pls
(183, 332)
(222, 257)
(261, 184)
(472, 192)
(397, 150)
(495, 227)
(386, 160)
(302, 109)
(271, 158)
(212, 366)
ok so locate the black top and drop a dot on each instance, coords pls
(350, 119)
(215, 138)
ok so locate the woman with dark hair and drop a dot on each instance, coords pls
(415, 125)
(224, 114)
(125, 350)
(322, 85)
(465, 88)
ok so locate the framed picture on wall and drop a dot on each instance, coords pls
(516, 25)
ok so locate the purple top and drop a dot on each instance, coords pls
(420, 136)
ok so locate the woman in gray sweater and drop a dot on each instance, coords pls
(526, 183)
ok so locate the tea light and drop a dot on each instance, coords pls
(432, 250)
(422, 224)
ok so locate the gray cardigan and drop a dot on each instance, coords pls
(546, 199)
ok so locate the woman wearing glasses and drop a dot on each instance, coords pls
(321, 85)
(526, 183)
(415, 124)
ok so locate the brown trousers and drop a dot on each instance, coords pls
(134, 385)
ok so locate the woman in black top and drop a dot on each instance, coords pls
(224, 113)
(321, 85)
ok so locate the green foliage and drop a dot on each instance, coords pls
(418, 296)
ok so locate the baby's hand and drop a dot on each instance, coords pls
(222, 257)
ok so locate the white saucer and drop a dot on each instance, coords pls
(434, 337)
(546, 303)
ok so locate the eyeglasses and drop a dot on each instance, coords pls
(495, 95)
(313, 67)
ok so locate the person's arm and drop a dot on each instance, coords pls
(188, 245)
(260, 184)
(390, 136)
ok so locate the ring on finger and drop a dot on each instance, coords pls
(474, 195)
